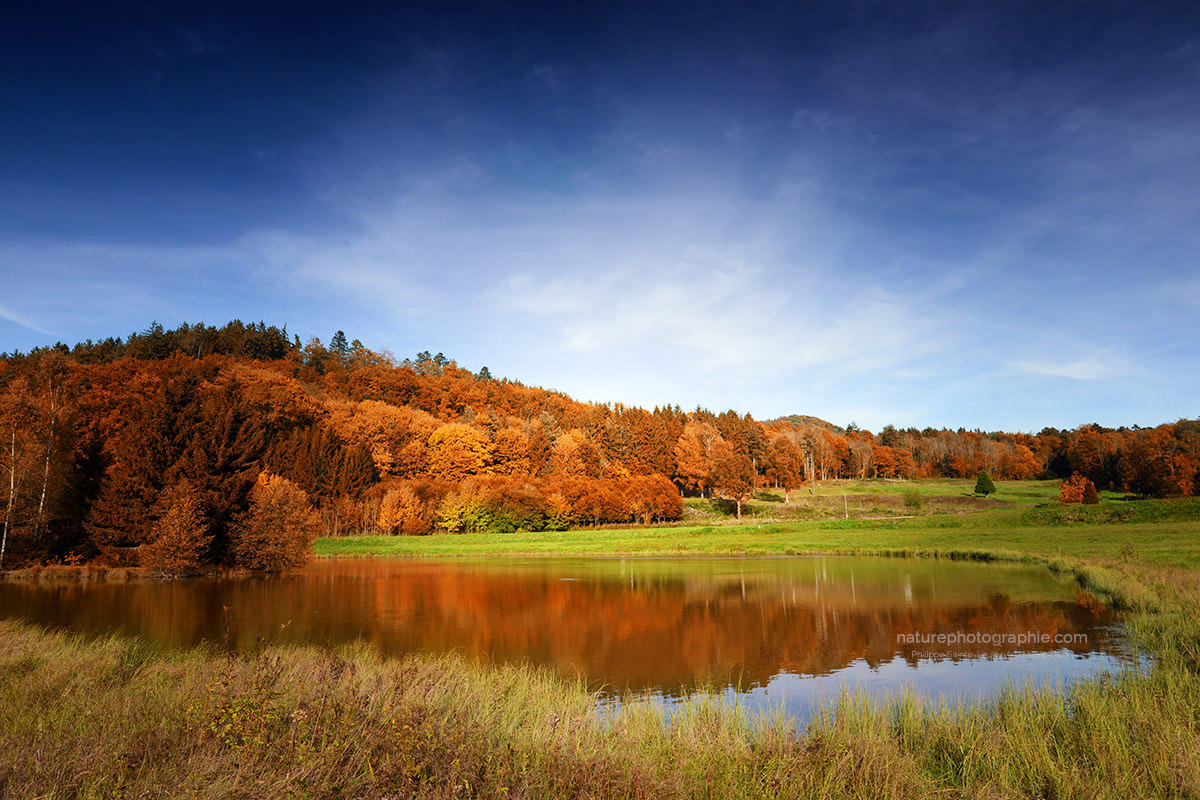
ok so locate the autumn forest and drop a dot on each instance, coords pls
(236, 445)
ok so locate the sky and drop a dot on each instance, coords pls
(979, 215)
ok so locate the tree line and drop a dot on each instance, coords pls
(203, 445)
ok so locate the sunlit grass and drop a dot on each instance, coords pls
(1156, 532)
(113, 717)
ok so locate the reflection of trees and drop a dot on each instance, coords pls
(625, 630)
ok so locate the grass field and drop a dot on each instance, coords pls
(84, 718)
(1156, 532)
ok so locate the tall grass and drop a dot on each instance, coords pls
(114, 717)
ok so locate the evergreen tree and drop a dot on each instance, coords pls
(339, 346)
(179, 537)
(984, 485)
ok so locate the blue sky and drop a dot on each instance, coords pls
(980, 215)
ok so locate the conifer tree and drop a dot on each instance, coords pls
(339, 346)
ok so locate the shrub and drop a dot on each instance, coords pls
(1078, 489)
(179, 537)
(517, 505)
(984, 485)
(276, 532)
(912, 499)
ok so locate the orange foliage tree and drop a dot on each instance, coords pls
(733, 475)
(402, 511)
(651, 498)
(457, 451)
(277, 530)
(694, 455)
(784, 464)
(1078, 489)
(510, 452)
(179, 536)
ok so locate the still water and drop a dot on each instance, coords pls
(769, 632)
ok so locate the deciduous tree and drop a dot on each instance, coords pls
(276, 532)
(732, 474)
(784, 464)
(457, 451)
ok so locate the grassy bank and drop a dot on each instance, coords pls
(114, 718)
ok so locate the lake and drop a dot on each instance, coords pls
(765, 631)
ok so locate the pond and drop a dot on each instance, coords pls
(766, 631)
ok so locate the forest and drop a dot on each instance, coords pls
(200, 446)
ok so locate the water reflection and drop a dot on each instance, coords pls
(788, 630)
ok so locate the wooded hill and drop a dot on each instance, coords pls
(205, 445)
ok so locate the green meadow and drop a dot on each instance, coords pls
(1022, 520)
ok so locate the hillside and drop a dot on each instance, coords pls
(179, 448)
(804, 420)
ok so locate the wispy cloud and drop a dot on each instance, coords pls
(1092, 368)
(654, 294)
(22, 319)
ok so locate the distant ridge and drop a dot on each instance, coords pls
(805, 419)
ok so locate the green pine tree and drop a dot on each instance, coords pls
(338, 345)
(984, 485)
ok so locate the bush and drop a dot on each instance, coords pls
(984, 485)
(277, 531)
(1078, 489)
(180, 537)
(912, 499)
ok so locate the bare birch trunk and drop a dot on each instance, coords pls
(37, 524)
(12, 491)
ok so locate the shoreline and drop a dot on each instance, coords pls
(95, 573)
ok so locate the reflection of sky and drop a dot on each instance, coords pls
(935, 680)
